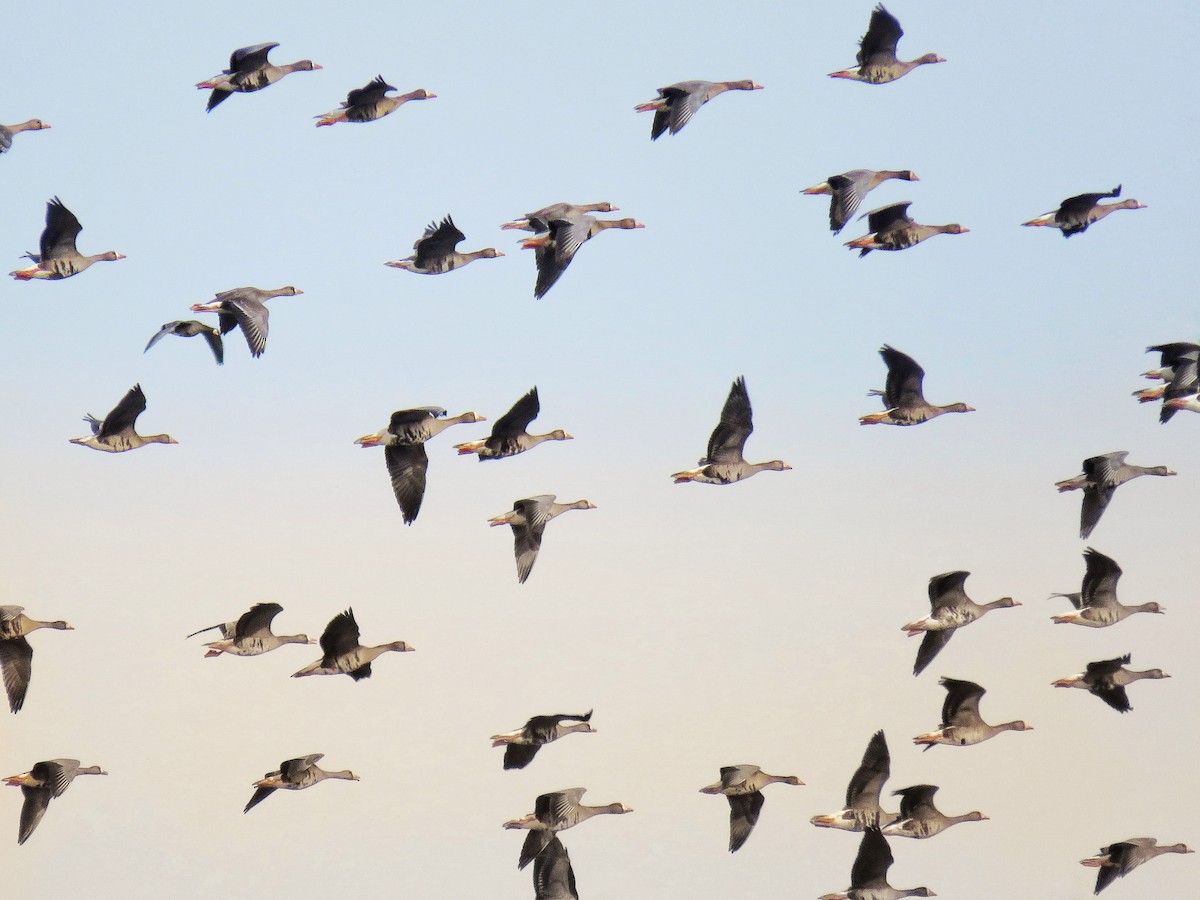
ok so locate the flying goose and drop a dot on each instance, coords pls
(539, 221)
(555, 249)
(1107, 679)
(16, 656)
(1169, 356)
(528, 520)
(919, 818)
(403, 442)
(294, 775)
(115, 433)
(509, 435)
(846, 191)
(862, 794)
(868, 875)
(555, 812)
(952, 609)
(7, 132)
(59, 257)
(677, 103)
(1075, 214)
(370, 102)
(903, 400)
(344, 655)
(961, 723)
(522, 745)
(877, 62)
(892, 228)
(251, 634)
(191, 328)
(724, 462)
(1119, 859)
(249, 70)
(1096, 605)
(41, 784)
(436, 253)
(1102, 475)
(245, 308)
(742, 787)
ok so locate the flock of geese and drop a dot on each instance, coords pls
(560, 230)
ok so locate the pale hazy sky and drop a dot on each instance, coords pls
(758, 623)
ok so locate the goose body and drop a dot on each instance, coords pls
(742, 787)
(16, 656)
(522, 745)
(862, 808)
(1096, 605)
(343, 655)
(436, 253)
(951, 610)
(191, 328)
(294, 775)
(246, 308)
(555, 812)
(919, 818)
(58, 257)
(370, 102)
(724, 462)
(877, 62)
(8, 131)
(528, 519)
(510, 434)
(249, 70)
(677, 103)
(868, 876)
(115, 433)
(891, 228)
(846, 191)
(250, 634)
(1102, 475)
(961, 722)
(903, 398)
(1075, 214)
(554, 250)
(1119, 859)
(1107, 680)
(44, 782)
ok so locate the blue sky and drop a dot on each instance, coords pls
(752, 624)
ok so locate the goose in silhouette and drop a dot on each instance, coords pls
(877, 62)
(1075, 214)
(294, 775)
(249, 70)
(862, 795)
(528, 520)
(43, 783)
(7, 132)
(403, 442)
(344, 655)
(903, 400)
(724, 462)
(951, 610)
(553, 877)
(509, 435)
(522, 745)
(961, 723)
(742, 787)
(846, 191)
(868, 876)
(677, 103)
(555, 812)
(1096, 604)
(59, 257)
(1107, 680)
(919, 818)
(191, 328)
(251, 634)
(892, 228)
(245, 308)
(436, 253)
(16, 656)
(1119, 859)
(370, 102)
(115, 432)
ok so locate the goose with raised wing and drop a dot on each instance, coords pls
(1102, 475)
(371, 102)
(528, 519)
(294, 775)
(249, 70)
(1119, 859)
(436, 251)
(8, 131)
(724, 462)
(1096, 604)
(46, 781)
(903, 398)
(742, 787)
(403, 442)
(343, 654)
(892, 228)
(919, 818)
(951, 609)
(16, 656)
(115, 432)
(58, 257)
(877, 62)
(250, 634)
(1169, 355)
(191, 328)
(846, 191)
(961, 722)
(522, 745)
(554, 250)
(868, 875)
(1107, 679)
(554, 812)
(1075, 214)
(677, 103)
(862, 809)
(510, 434)
(246, 308)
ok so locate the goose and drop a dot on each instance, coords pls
(403, 442)
(724, 462)
(951, 609)
(742, 787)
(961, 724)
(7, 132)
(509, 435)
(553, 877)
(245, 308)
(435, 251)
(1180, 388)
(868, 875)
(862, 795)
(1119, 859)
(344, 655)
(919, 818)
(539, 221)
(1075, 214)
(554, 250)
(846, 191)
(294, 775)
(904, 402)
(891, 228)
(1096, 605)
(115, 433)
(877, 62)
(191, 328)
(528, 519)
(677, 103)
(555, 812)
(59, 257)
(16, 656)
(522, 745)
(1102, 475)
(41, 784)
(1107, 680)
(249, 71)
(370, 102)
(1169, 355)
(251, 634)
